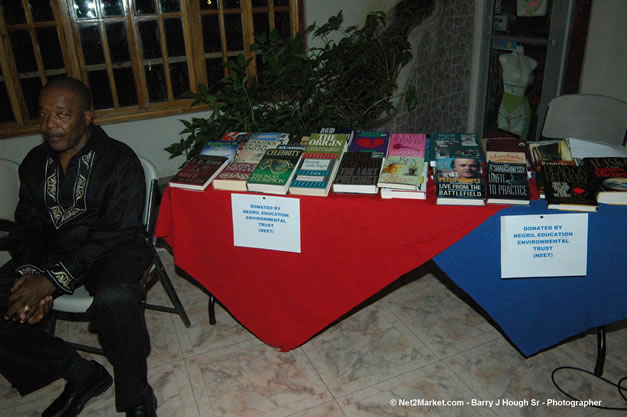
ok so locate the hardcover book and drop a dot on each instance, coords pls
(569, 187)
(254, 149)
(198, 172)
(358, 173)
(234, 176)
(403, 167)
(451, 145)
(319, 164)
(507, 183)
(237, 172)
(459, 181)
(282, 137)
(343, 130)
(402, 172)
(370, 141)
(237, 136)
(548, 150)
(224, 148)
(540, 179)
(420, 193)
(275, 171)
(610, 176)
(511, 150)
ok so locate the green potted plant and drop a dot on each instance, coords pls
(347, 83)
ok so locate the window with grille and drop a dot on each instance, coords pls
(138, 57)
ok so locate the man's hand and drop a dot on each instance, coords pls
(30, 299)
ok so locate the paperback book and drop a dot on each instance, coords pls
(274, 173)
(403, 167)
(539, 177)
(548, 150)
(370, 141)
(510, 150)
(610, 177)
(319, 164)
(254, 149)
(454, 145)
(198, 172)
(237, 172)
(234, 176)
(420, 193)
(282, 137)
(569, 187)
(227, 149)
(507, 183)
(358, 173)
(459, 181)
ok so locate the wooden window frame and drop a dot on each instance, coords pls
(67, 27)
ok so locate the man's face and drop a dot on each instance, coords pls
(63, 120)
(467, 168)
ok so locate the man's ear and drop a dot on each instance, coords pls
(88, 117)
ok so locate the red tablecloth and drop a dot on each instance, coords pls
(352, 246)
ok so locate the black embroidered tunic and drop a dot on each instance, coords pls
(64, 222)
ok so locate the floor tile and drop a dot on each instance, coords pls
(426, 391)
(253, 379)
(496, 371)
(329, 409)
(202, 337)
(365, 348)
(445, 323)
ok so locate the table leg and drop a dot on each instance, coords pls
(601, 347)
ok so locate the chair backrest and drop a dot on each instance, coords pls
(586, 116)
(151, 176)
(9, 189)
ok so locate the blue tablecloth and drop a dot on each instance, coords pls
(537, 313)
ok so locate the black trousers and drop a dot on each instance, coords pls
(30, 359)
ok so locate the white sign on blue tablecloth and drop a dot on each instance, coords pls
(266, 222)
(549, 245)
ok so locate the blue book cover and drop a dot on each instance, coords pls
(228, 149)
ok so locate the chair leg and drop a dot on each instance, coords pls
(170, 291)
(51, 325)
(212, 310)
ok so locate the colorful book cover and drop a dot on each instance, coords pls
(610, 175)
(371, 141)
(254, 149)
(282, 137)
(407, 144)
(317, 169)
(234, 176)
(404, 172)
(275, 171)
(459, 181)
(569, 187)
(227, 149)
(343, 130)
(198, 172)
(451, 145)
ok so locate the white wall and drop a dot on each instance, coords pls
(354, 11)
(605, 60)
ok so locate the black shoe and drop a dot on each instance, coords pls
(146, 409)
(76, 394)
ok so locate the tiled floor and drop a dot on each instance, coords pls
(420, 341)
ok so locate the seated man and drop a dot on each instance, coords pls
(78, 222)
